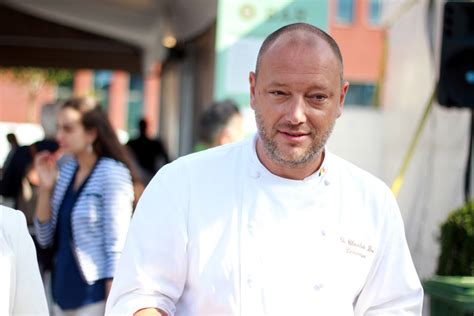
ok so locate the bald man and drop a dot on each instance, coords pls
(274, 225)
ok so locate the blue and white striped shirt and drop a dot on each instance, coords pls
(99, 219)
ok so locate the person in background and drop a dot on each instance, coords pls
(13, 142)
(21, 289)
(149, 154)
(84, 208)
(19, 180)
(220, 124)
(275, 224)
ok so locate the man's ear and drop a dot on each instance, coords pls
(252, 82)
(342, 97)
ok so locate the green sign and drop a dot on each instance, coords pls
(242, 25)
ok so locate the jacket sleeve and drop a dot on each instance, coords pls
(29, 296)
(117, 212)
(152, 269)
(393, 286)
(44, 232)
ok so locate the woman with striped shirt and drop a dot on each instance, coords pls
(84, 208)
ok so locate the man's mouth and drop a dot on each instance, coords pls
(294, 135)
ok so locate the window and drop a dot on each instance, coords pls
(360, 94)
(102, 80)
(64, 89)
(375, 12)
(345, 11)
(135, 104)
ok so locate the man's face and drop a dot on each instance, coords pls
(297, 98)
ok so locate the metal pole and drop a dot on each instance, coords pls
(467, 176)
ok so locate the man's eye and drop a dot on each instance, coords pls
(319, 97)
(277, 93)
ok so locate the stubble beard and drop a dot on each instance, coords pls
(271, 147)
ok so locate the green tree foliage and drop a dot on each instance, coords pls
(40, 76)
(457, 243)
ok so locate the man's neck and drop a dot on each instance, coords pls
(285, 171)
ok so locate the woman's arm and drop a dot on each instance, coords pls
(45, 165)
(117, 212)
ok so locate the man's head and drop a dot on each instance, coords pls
(11, 139)
(142, 126)
(267, 43)
(221, 124)
(297, 93)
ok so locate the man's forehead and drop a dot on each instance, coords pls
(297, 44)
(299, 37)
(293, 46)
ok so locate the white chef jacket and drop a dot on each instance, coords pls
(21, 288)
(216, 233)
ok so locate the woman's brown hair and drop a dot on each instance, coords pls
(106, 143)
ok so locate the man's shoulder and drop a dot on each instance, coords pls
(373, 199)
(218, 160)
(202, 170)
(348, 171)
(219, 154)
(11, 220)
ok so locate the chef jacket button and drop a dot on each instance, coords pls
(318, 287)
(255, 174)
(251, 227)
(250, 281)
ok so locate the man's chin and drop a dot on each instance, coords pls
(294, 158)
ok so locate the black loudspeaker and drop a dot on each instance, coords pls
(456, 75)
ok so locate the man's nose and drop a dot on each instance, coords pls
(296, 111)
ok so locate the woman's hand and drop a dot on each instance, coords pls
(45, 165)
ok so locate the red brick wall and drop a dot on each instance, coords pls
(16, 104)
(361, 43)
